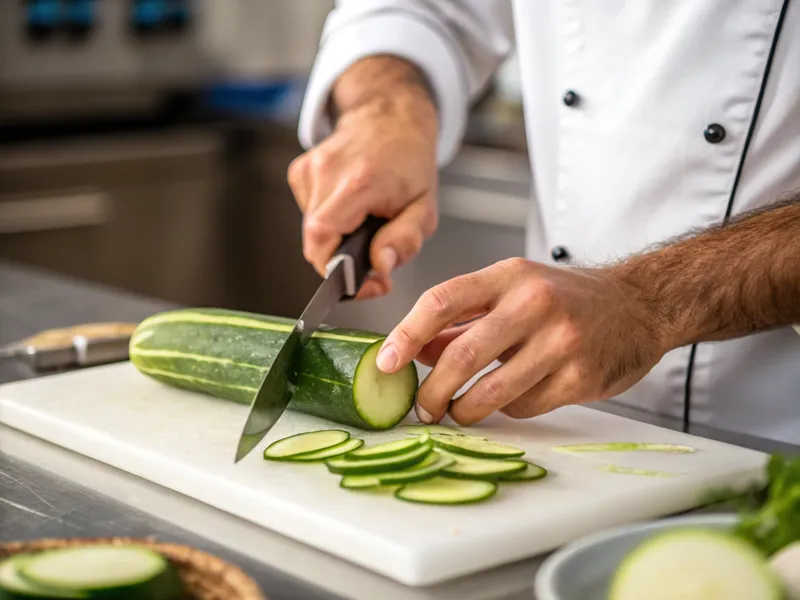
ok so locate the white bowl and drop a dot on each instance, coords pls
(583, 569)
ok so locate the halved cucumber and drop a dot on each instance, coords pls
(325, 453)
(15, 587)
(467, 467)
(302, 443)
(473, 446)
(695, 564)
(440, 490)
(128, 572)
(345, 466)
(384, 450)
(531, 472)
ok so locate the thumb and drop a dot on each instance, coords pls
(400, 240)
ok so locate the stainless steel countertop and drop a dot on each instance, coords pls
(46, 491)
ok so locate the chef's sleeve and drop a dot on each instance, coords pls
(457, 44)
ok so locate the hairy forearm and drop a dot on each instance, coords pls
(723, 282)
(384, 84)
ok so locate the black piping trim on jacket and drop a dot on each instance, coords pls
(687, 398)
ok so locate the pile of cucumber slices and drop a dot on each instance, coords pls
(433, 465)
(92, 571)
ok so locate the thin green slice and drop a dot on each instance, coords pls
(383, 450)
(633, 471)
(625, 447)
(432, 465)
(359, 482)
(370, 466)
(467, 467)
(441, 490)
(531, 472)
(695, 564)
(326, 453)
(302, 443)
(436, 429)
(473, 446)
(15, 587)
(105, 571)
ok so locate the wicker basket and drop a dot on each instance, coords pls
(204, 576)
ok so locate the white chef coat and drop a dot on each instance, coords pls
(633, 161)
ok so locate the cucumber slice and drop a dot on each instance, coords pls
(14, 587)
(426, 468)
(302, 443)
(369, 466)
(625, 447)
(438, 429)
(384, 450)
(694, 564)
(128, 572)
(467, 467)
(440, 490)
(359, 482)
(472, 446)
(531, 472)
(430, 466)
(325, 453)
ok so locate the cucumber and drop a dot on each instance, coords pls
(695, 564)
(370, 466)
(359, 482)
(124, 572)
(304, 443)
(471, 446)
(384, 450)
(326, 453)
(225, 354)
(467, 467)
(531, 472)
(440, 490)
(14, 587)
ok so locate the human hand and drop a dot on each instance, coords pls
(564, 335)
(379, 160)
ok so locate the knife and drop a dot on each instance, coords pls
(82, 345)
(344, 276)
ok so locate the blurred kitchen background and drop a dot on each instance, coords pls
(144, 145)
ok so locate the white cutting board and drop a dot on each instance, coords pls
(186, 442)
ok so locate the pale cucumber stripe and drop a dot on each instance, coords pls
(215, 360)
(247, 323)
(201, 380)
(196, 357)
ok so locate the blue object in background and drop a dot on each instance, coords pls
(148, 14)
(42, 14)
(273, 99)
(80, 13)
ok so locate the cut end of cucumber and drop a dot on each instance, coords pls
(382, 400)
(440, 490)
(695, 564)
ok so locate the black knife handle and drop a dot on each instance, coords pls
(357, 246)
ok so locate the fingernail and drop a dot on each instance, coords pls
(424, 416)
(387, 259)
(387, 358)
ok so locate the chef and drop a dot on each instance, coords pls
(645, 120)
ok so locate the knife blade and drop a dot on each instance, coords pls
(345, 274)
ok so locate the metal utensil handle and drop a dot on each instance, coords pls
(356, 246)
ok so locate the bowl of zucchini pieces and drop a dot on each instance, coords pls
(433, 464)
(118, 568)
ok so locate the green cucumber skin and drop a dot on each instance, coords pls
(325, 374)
